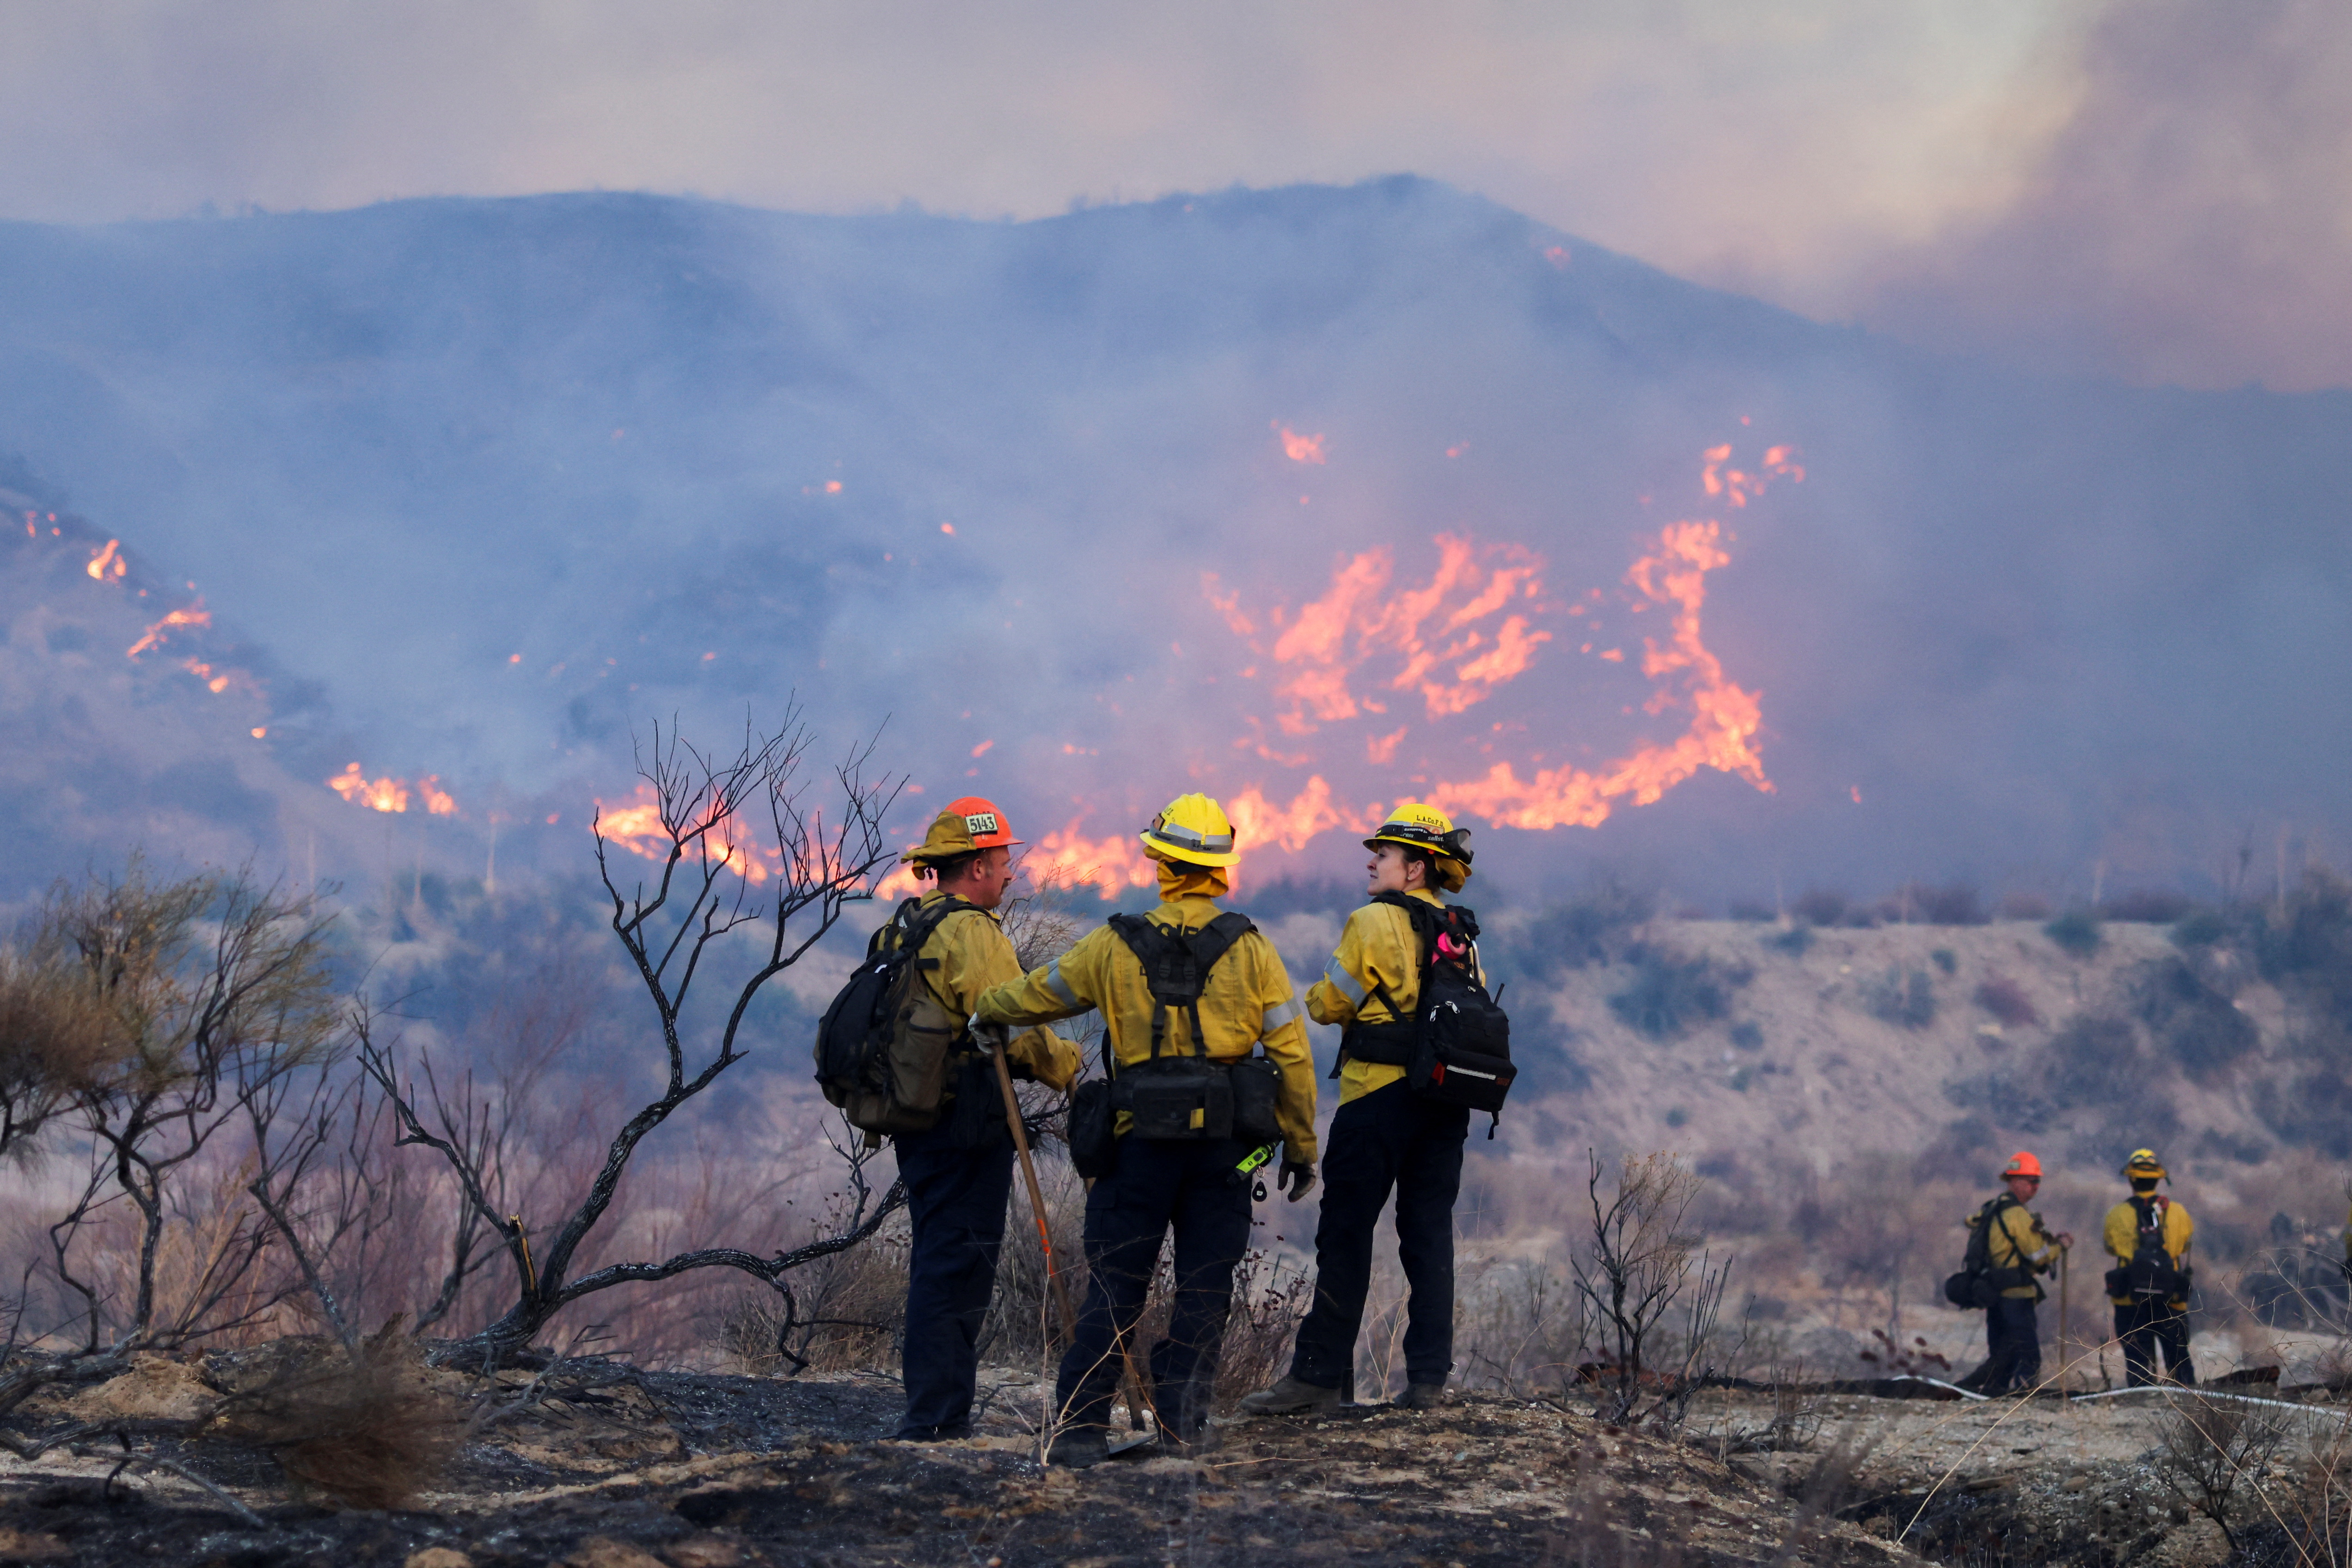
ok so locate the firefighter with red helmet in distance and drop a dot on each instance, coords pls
(1167, 1139)
(959, 1172)
(2014, 1248)
(1385, 1137)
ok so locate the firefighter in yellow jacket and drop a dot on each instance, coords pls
(958, 1172)
(1179, 1176)
(1384, 1137)
(2017, 1248)
(2149, 1234)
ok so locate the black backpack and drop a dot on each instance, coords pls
(1456, 1048)
(2151, 1274)
(1978, 1284)
(1189, 1097)
(882, 1048)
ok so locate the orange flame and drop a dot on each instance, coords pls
(107, 563)
(1258, 820)
(1739, 488)
(387, 794)
(636, 827)
(1433, 633)
(1724, 717)
(377, 795)
(1300, 449)
(155, 636)
(1105, 864)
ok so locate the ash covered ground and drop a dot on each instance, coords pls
(707, 1471)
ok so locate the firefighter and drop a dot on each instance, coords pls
(959, 1173)
(1384, 1137)
(2149, 1234)
(1152, 1184)
(2017, 1248)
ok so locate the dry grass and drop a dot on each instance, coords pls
(366, 1429)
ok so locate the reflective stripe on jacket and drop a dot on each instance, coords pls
(1377, 948)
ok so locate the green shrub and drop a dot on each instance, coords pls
(1947, 959)
(1670, 995)
(2200, 928)
(2076, 930)
(1901, 997)
(1595, 927)
(1793, 942)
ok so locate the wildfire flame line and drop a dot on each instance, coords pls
(391, 794)
(1724, 717)
(636, 826)
(156, 636)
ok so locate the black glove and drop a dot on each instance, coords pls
(1298, 1180)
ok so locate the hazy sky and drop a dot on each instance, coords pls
(2154, 188)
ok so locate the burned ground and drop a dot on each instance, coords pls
(704, 1471)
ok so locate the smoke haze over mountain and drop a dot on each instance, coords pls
(2146, 188)
(1144, 498)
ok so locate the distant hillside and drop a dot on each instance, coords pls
(1769, 1047)
(1314, 496)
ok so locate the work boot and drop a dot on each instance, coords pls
(1291, 1397)
(1078, 1447)
(1422, 1396)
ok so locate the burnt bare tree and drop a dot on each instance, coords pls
(199, 1010)
(1638, 1266)
(740, 846)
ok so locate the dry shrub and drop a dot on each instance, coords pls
(1013, 1334)
(846, 1311)
(1271, 1297)
(1518, 1325)
(54, 1032)
(2208, 1445)
(2321, 1524)
(2005, 1000)
(364, 1427)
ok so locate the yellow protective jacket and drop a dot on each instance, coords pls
(1248, 999)
(1377, 952)
(2020, 1241)
(2123, 1239)
(974, 954)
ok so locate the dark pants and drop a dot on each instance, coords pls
(955, 1207)
(1153, 1185)
(2143, 1328)
(2012, 1347)
(1391, 1139)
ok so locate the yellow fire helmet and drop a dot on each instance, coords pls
(1193, 829)
(2144, 1163)
(1424, 828)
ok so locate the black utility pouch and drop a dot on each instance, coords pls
(1163, 1098)
(1456, 1075)
(1092, 1129)
(976, 1119)
(1257, 1090)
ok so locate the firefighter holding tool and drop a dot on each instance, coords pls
(959, 1172)
(1390, 1134)
(1188, 995)
(2008, 1246)
(2149, 1234)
